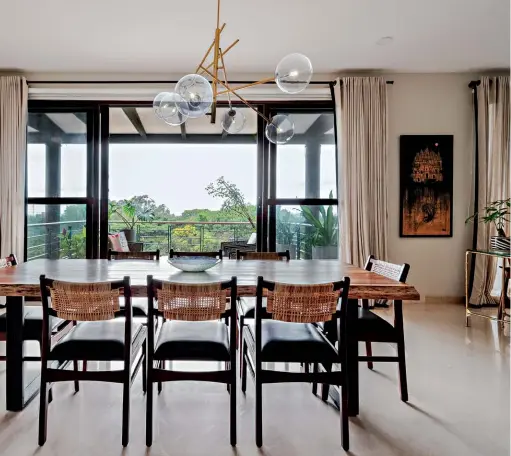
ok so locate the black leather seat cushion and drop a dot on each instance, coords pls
(246, 307)
(33, 323)
(372, 327)
(193, 340)
(292, 342)
(97, 341)
(139, 306)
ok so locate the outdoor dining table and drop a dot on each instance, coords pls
(22, 281)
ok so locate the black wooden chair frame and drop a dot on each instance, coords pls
(399, 336)
(241, 318)
(155, 254)
(125, 376)
(157, 373)
(217, 254)
(253, 360)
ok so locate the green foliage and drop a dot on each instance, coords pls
(496, 212)
(325, 225)
(72, 244)
(233, 200)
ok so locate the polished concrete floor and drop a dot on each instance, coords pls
(459, 406)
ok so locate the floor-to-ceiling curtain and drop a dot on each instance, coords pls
(13, 126)
(361, 115)
(493, 172)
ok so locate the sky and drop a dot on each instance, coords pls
(177, 174)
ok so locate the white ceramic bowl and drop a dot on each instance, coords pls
(193, 263)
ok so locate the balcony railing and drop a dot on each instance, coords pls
(66, 239)
(187, 236)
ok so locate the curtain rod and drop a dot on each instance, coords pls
(167, 82)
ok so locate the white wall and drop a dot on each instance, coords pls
(433, 104)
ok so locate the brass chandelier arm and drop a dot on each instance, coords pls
(232, 89)
(224, 70)
(208, 51)
(239, 96)
(224, 52)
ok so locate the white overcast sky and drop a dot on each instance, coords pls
(177, 174)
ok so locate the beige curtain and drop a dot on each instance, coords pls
(13, 126)
(494, 174)
(361, 113)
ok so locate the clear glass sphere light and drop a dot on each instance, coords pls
(293, 73)
(170, 109)
(157, 103)
(196, 91)
(280, 130)
(233, 121)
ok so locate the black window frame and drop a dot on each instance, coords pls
(99, 138)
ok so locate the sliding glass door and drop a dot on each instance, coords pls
(302, 203)
(60, 214)
(187, 188)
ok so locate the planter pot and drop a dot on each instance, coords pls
(500, 243)
(325, 252)
(131, 235)
(290, 247)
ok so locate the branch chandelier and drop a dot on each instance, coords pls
(194, 95)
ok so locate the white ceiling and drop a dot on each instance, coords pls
(157, 36)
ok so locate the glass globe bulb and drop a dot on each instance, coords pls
(280, 130)
(196, 91)
(233, 121)
(293, 73)
(170, 110)
(157, 103)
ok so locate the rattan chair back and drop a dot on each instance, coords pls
(84, 301)
(191, 302)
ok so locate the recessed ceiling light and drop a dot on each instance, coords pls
(384, 41)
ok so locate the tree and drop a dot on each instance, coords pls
(233, 200)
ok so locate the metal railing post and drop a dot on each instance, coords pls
(169, 237)
(298, 242)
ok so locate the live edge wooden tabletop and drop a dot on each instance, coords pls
(23, 280)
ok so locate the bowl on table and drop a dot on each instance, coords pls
(193, 263)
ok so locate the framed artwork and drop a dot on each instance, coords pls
(426, 178)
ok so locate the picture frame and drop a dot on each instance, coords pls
(426, 185)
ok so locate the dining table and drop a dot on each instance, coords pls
(22, 281)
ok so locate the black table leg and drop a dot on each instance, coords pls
(352, 357)
(15, 386)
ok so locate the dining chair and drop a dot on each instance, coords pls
(215, 254)
(139, 305)
(289, 335)
(96, 337)
(373, 328)
(192, 331)
(246, 305)
(33, 320)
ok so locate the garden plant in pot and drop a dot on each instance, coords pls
(129, 212)
(496, 213)
(286, 232)
(325, 232)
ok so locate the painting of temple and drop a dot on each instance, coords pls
(426, 178)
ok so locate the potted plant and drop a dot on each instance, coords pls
(496, 213)
(325, 232)
(130, 213)
(286, 231)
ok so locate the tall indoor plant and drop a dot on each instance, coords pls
(496, 213)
